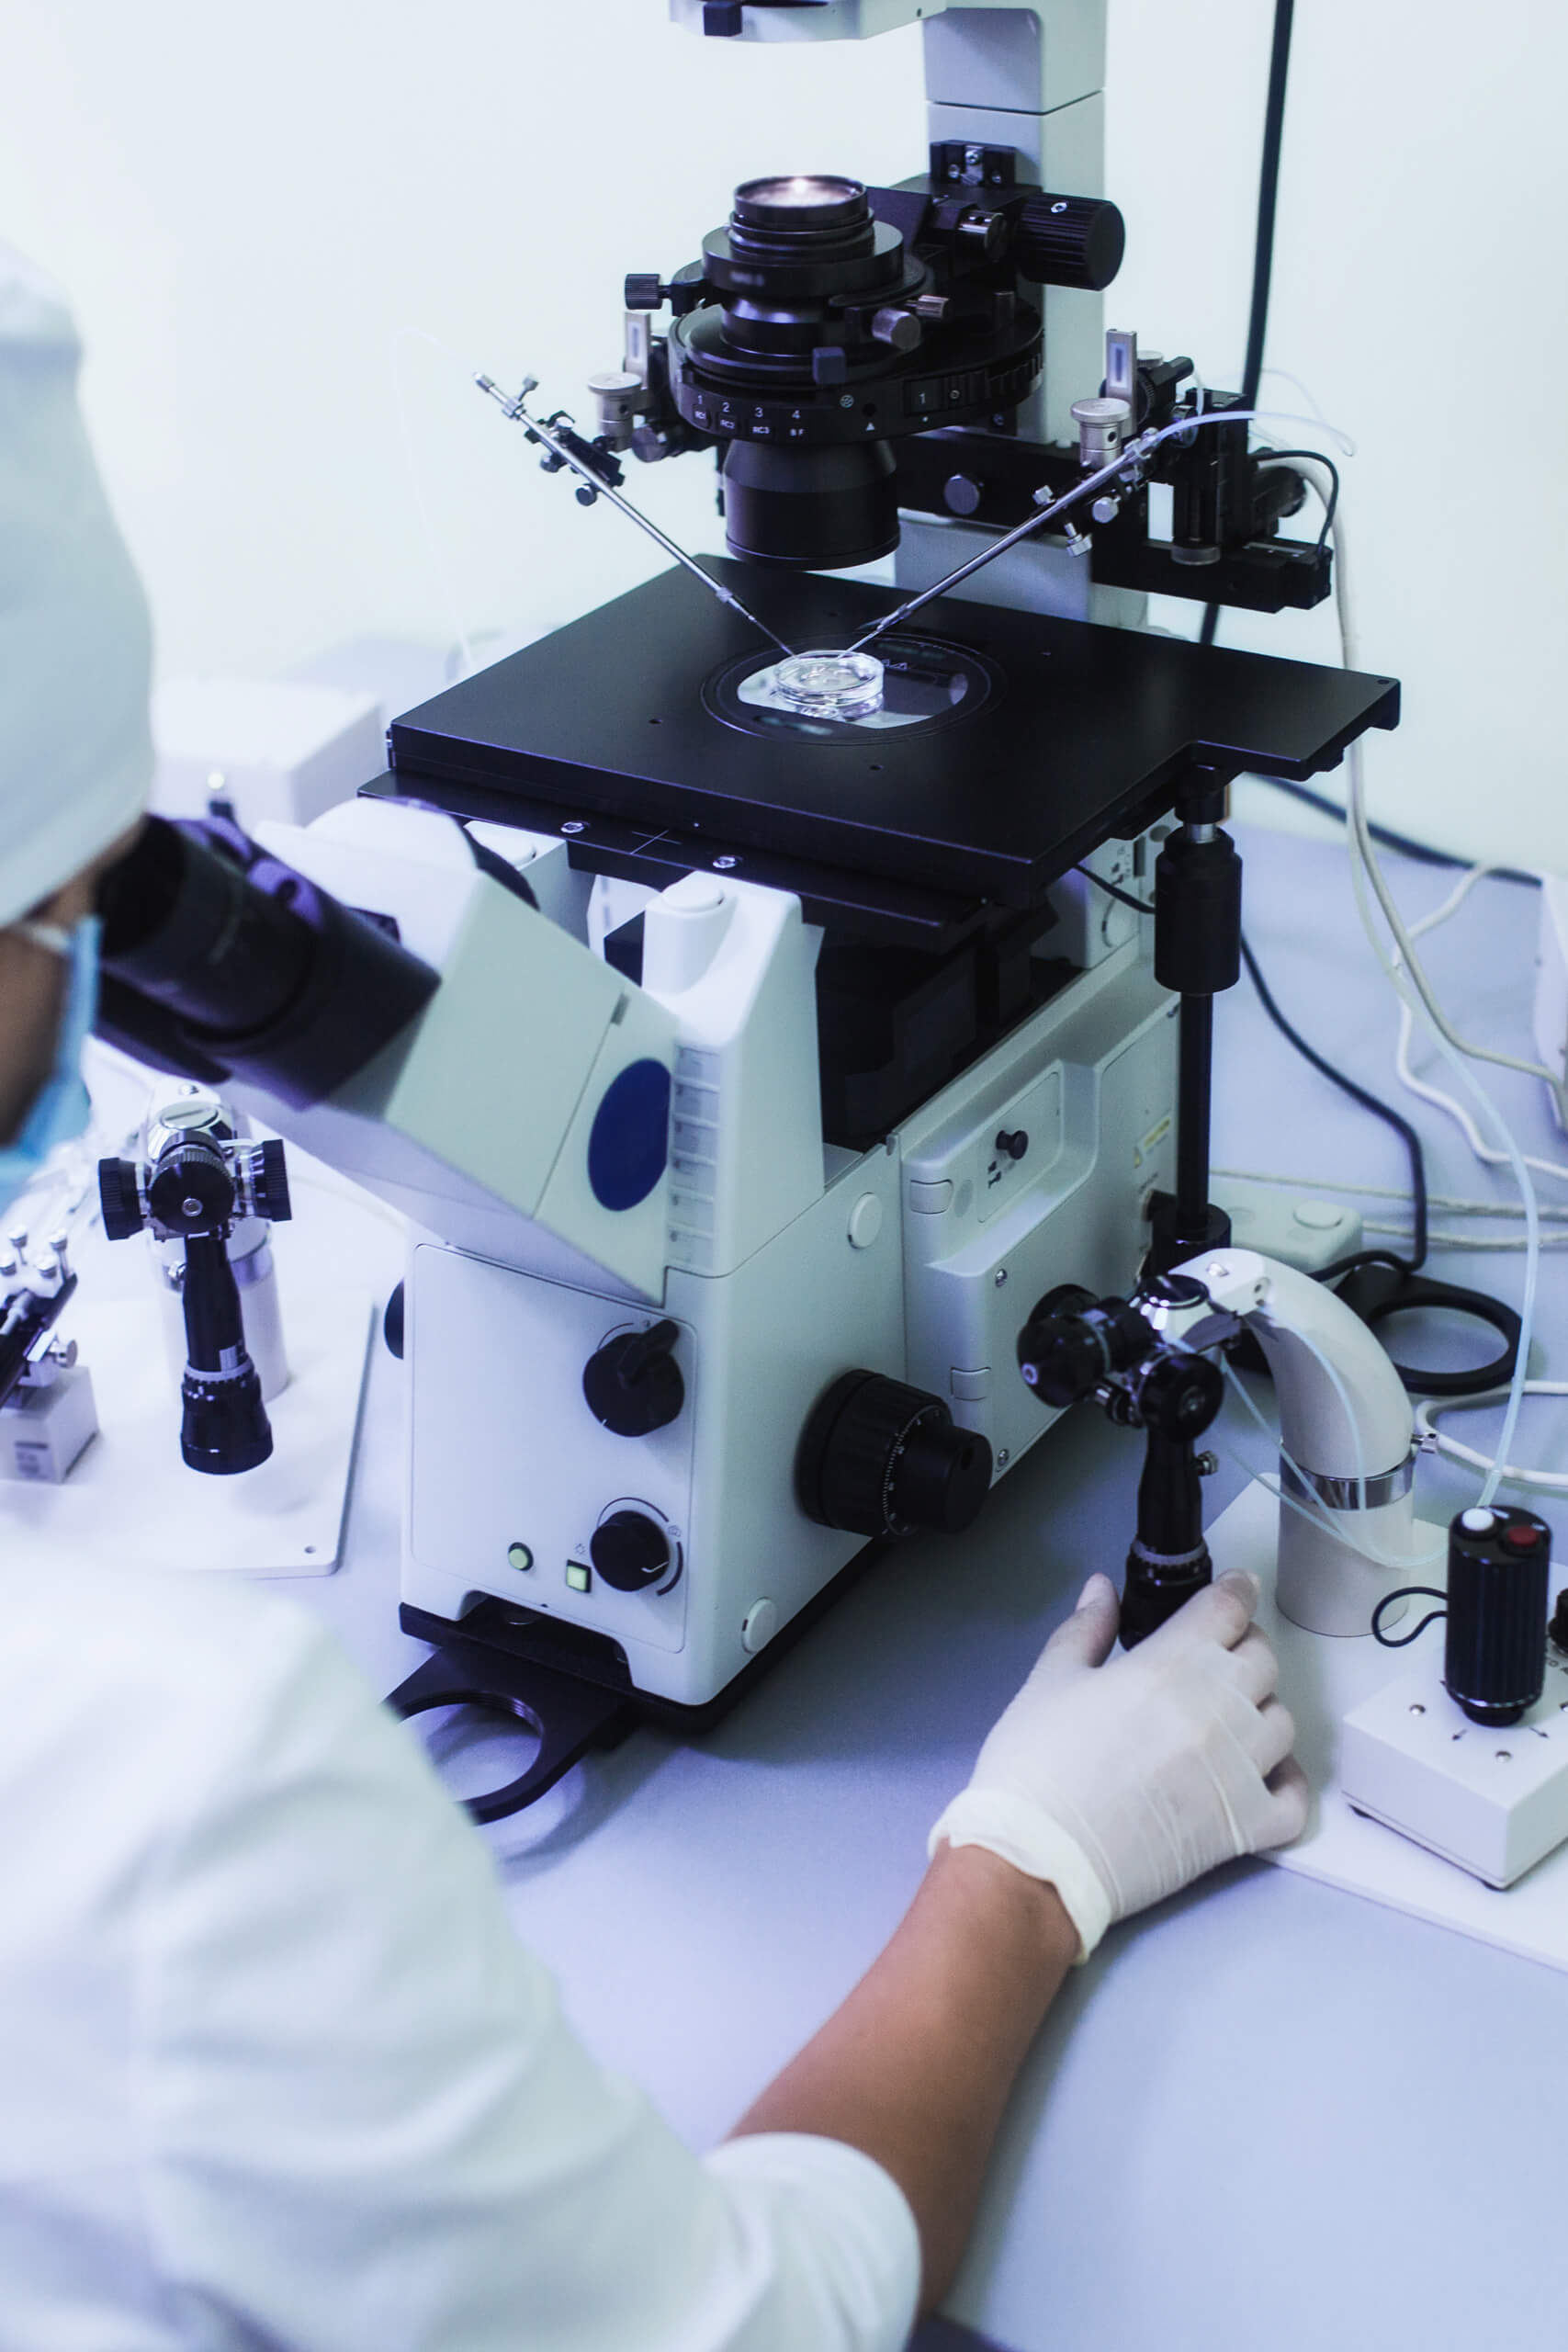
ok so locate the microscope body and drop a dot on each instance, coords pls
(669, 1558)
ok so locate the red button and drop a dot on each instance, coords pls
(1519, 1538)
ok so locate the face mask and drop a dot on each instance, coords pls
(62, 1109)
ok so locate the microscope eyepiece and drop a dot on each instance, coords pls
(220, 962)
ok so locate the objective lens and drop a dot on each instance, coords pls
(832, 685)
(800, 188)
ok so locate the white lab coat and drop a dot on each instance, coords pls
(275, 2071)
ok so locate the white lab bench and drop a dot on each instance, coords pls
(1268, 2112)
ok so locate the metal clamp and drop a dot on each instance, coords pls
(1349, 1494)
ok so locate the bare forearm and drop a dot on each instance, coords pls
(916, 2067)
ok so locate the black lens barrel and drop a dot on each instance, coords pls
(222, 959)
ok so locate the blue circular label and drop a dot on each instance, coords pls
(629, 1147)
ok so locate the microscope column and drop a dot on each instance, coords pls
(1197, 953)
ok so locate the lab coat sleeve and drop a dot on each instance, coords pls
(368, 2125)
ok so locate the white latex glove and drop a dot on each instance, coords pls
(1121, 1783)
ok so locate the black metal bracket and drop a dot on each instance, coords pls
(568, 1717)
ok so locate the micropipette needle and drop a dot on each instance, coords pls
(517, 410)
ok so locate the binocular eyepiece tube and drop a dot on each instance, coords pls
(220, 962)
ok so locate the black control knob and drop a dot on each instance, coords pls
(269, 1183)
(191, 1190)
(1069, 240)
(118, 1199)
(1559, 1628)
(882, 1459)
(1495, 1651)
(630, 1550)
(1071, 1342)
(632, 1383)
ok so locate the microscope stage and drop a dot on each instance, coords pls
(1062, 734)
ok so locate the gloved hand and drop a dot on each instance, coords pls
(1121, 1783)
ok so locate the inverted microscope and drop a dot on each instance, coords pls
(738, 988)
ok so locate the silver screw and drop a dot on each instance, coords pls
(723, 865)
(1417, 1708)
(1206, 1464)
(189, 1206)
(574, 825)
(1504, 1755)
(1003, 1458)
(1000, 1277)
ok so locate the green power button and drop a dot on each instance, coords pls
(519, 1556)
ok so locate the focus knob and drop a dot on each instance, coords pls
(630, 1550)
(633, 1384)
(881, 1459)
(1069, 240)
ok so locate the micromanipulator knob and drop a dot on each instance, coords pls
(1069, 240)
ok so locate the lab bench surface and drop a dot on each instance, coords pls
(1266, 2111)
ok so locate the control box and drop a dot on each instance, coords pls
(1493, 1800)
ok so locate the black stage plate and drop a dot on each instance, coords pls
(1090, 728)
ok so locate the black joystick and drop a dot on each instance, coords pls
(202, 1183)
(632, 1383)
(1495, 1651)
(881, 1459)
(630, 1550)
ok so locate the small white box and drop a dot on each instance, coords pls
(1493, 1800)
(44, 1429)
(271, 748)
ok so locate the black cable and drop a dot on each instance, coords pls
(1263, 243)
(1114, 890)
(1369, 1102)
(1331, 504)
(1406, 1592)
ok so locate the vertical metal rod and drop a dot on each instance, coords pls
(1194, 1094)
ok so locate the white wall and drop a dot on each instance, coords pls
(251, 203)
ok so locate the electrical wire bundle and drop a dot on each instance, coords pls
(1383, 1280)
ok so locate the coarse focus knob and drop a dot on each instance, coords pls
(630, 1550)
(1069, 240)
(1495, 1649)
(881, 1459)
(633, 1384)
(118, 1198)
